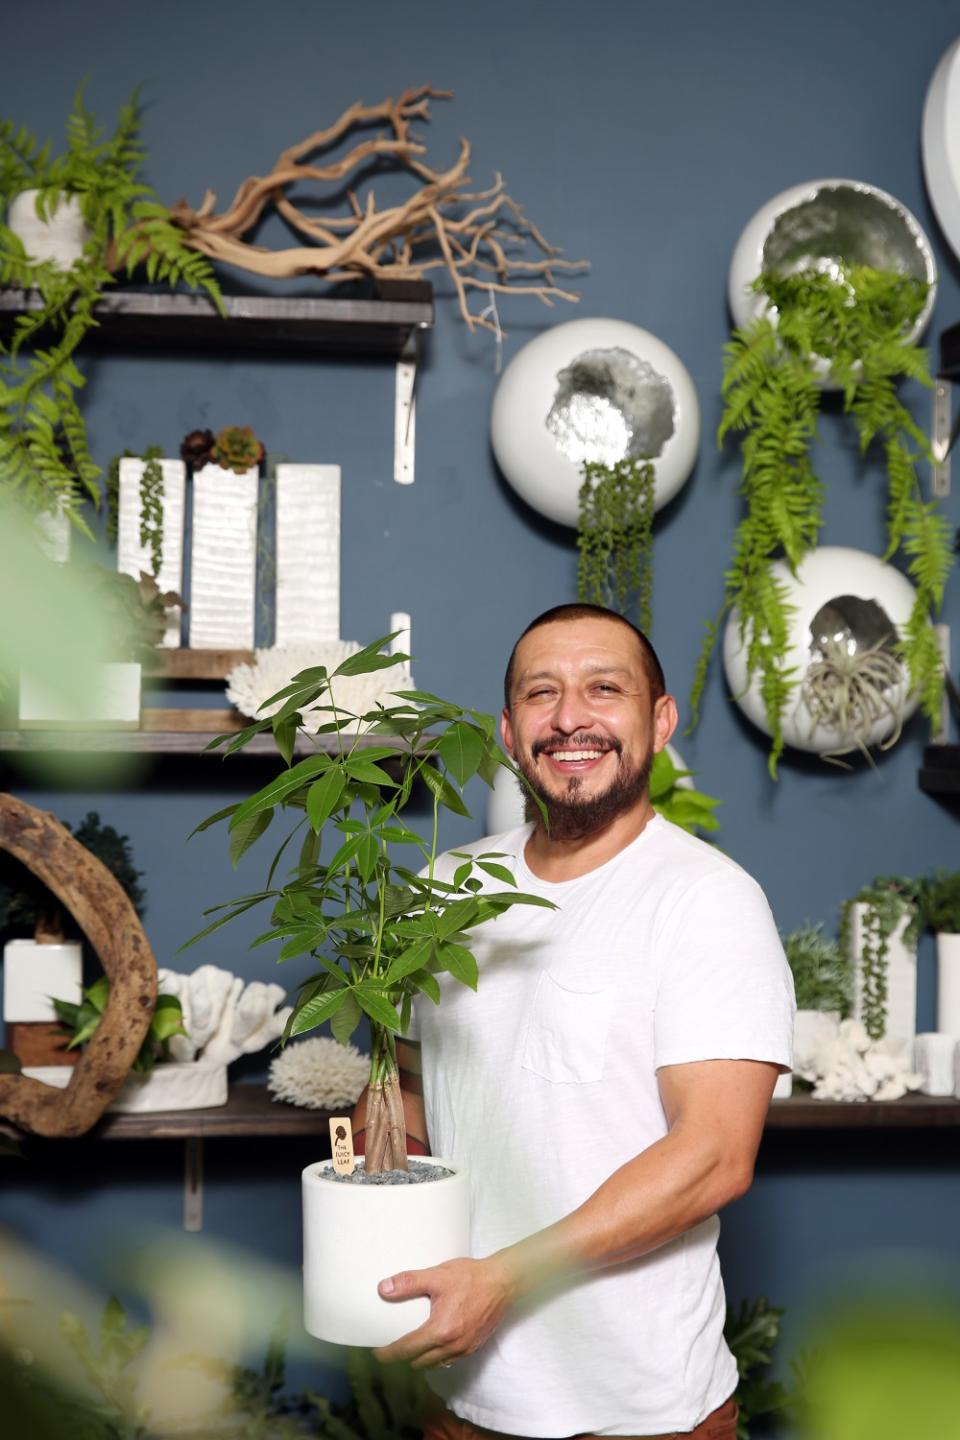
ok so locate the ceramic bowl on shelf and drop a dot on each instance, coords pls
(593, 390)
(846, 601)
(941, 144)
(821, 225)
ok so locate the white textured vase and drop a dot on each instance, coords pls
(132, 557)
(223, 559)
(190, 1085)
(60, 239)
(901, 978)
(354, 1236)
(308, 554)
(948, 983)
(32, 973)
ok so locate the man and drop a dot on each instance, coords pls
(607, 1085)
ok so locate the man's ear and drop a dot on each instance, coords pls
(665, 721)
(506, 731)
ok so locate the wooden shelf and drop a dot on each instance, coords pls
(165, 319)
(183, 663)
(164, 742)
(801, 1112)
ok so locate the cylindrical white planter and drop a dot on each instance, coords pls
(901, 979)
(223, 559)
(308, 554)
(354, 1236)
(113, 699)
(933, 1060)
(186, 1085)
(132, 557)
(32, 973)
(948, 983)
(60, 239)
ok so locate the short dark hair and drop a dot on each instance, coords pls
(580, 610)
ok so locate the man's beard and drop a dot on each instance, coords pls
(573, 816)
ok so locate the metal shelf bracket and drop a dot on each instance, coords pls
(405, 411)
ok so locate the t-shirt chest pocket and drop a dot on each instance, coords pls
(566, 1036)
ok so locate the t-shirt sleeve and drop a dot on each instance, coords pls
(725, 990)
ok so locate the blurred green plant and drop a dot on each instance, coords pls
(683, 806)
(751, 1332)
(82, 1021)
(939, 899)
(887, 900)
(822, 972)
(24, 899)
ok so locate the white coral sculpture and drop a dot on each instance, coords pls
(845, 1064)
(223, 1015)
(248, 686)
(319, 1074)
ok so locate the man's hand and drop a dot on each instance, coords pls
(468, 1299)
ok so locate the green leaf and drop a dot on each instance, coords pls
(377, 1006)
(167, 1018)
(369, 659)
(368, 771)
(460, 963)
(425, 981)
(498, 872)
(440, 787)
(462, 749)
(413, 958)
(285, 736)
(317, 1010)
(323, 797)
(9, 1063)
(246, 832)
(346, 1019)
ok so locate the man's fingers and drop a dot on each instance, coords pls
(403, 1286)
(432, 1360)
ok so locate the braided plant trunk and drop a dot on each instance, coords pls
(386, 1130)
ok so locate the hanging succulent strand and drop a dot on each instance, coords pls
(615, 537)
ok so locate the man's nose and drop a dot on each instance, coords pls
(572, 710)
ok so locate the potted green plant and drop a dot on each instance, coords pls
(879, 929)
(146, 503)
(381, 927)
(852, 328)
(615, 537)
(822, 981)
(43, 441)
(223, 555)
(42, 954)
(939, 900)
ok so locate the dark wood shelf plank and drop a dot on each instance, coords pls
(308, 324)
(163, 742)
(801, 1112)
(187, 664)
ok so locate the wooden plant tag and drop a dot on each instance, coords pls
(341, 1144)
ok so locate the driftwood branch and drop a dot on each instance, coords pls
(441, 225)
(95, 899)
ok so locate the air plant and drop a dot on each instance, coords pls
(852, 691)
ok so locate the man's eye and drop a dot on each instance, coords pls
(607, 687)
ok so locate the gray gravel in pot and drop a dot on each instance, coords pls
(420, 1172)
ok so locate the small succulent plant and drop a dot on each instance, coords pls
(237, 448)
(196, 448)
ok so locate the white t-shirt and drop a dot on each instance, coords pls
(544, 1083)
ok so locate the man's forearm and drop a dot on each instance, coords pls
(651, 1199)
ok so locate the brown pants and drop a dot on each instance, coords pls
(442, 1424)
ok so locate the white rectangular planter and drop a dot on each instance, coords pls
(901, 978)
(191, 1085)
(113, 701)
(308, 554)
(948, 983)
(132, 557)
(223, 559)
(33, 973)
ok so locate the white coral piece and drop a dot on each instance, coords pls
(223, 1016)
(319, 1074)
(248, 686)
(847, 1065)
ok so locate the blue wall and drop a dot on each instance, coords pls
(641, 137)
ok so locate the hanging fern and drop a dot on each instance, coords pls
(855, 327)
(615, 537)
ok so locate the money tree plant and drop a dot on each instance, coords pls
(364, 899)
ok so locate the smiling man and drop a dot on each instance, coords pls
(606, 1086)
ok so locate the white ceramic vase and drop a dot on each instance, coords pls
(901, 1021)
(308, 554)
(60, 239)
(32, 973)
(355, 1235)
(223, 559)
(948, 983)
(592, 389)
(174, 1085)
(132, 556)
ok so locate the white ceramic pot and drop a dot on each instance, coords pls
(132, 557)
(308, 554)
(941, 144)
(223, 559)
(825, 221)
(354, 1236)
(934, 1057)
(948, 983)
(825, 574)
(32, 973)
(592, 389)
(113, 700)
(901, 979)
(187, 1085)
(60, 239)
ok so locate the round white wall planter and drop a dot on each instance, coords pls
(820, 224)
(826, 574)
(186, 1085)
(941, 144)
(60, 239)
(354, 1236)
(948, 983)
(599, 390)
(506, 802)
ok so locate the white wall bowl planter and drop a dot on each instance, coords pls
(132, 557)
(941, 144)
(60, 239)
(821, 224)
(593, 389)
(948, 983)
(828, 574)
(174, 1085)
(223, 559)
(356, 1235)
